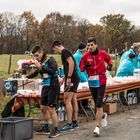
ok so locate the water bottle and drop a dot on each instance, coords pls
(63, 113)
(134, 98)
(61, 72)
(59, 112)
(130, 101)
(135, 74)
(138, 74)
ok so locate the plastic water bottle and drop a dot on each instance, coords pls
(61, 72)
(63, 113)
(59, 113)
(136, 74)
(130, 101)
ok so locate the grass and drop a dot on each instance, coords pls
(4, 63)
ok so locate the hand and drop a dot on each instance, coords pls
(87, 65)
(109, 68)
(68, 82)
(37, 64)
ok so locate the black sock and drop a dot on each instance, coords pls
(74, 121)
(56, 128)
(69, 124)
(103, 116)
(46, 125)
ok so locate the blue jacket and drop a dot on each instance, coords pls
(82, 75)
(126, 68)
(126, 56)
(138, 61)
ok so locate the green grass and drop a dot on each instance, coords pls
(4, 63)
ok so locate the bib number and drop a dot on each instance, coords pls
(93, 81)
(46, 82)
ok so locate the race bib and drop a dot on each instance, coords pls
(46, 82)
(93, 81)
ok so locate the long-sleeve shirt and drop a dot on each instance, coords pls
(97, 63)
(126, 68)
(82, 75)
(49, 67)
(126, 56)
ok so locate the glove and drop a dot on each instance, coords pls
(109, 68)
(87, 65)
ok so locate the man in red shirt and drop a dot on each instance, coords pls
(93, 62)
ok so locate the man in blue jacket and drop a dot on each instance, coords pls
(82, 48)
(127, 66)
(77, 56)
(133, 50)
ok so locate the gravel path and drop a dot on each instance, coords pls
(121, 126)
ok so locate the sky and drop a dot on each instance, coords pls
(91, 10)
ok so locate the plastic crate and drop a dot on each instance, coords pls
(16, 128)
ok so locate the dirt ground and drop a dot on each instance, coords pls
(121, 126)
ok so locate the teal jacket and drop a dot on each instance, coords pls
(82, 75)
(126, 68)
(138, 61)
(126, 56)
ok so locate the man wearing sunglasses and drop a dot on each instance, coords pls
(47, 67)
(93, 62)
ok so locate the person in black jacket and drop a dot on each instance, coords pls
(47, 67)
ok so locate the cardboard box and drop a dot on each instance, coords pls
(110, 108)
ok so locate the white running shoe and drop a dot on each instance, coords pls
(96, 131)
(104, 120)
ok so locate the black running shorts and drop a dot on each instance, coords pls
(98, 95)
(50, 95)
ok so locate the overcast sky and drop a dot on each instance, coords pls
(91, 10)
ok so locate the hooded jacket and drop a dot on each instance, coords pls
(126, 68)
(97, 64)
(82, 75)
(126, 56)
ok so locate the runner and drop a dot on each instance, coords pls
(47, 67)
(93, 62)
(71, 80)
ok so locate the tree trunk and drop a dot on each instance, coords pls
(10, 62)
